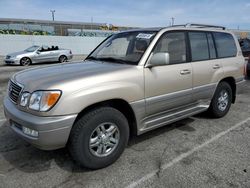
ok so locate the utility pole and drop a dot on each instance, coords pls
(172, 20)
(53, 14)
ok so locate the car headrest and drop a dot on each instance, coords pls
(141, 45)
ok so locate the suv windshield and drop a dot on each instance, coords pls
(126, 47)
(31, 49)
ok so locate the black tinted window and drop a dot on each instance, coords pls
(174, 44)
(225, 45)
(199, 46)
(245, 44)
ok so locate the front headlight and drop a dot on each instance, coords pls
(11, 57)
(43, 100)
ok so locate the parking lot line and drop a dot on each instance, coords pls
(2, 175)
(184, 155)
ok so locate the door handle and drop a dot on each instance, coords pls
(184, 72)
(216, 66)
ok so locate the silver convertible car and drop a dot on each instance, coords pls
(39, 54)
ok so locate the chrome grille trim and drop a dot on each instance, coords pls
(14, 91)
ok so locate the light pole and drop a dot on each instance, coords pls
(172, 21)
(53, 14)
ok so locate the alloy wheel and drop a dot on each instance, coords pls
(104, 139)
(223, 100)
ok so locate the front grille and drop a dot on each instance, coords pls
(9, 62)
(8, 57)
(14, 91)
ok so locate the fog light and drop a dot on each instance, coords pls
(24, 99)
(30, 132)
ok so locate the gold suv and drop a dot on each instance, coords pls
(135, 80)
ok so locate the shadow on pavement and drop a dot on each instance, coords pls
(25, 157)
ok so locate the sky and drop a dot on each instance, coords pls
(135, 13)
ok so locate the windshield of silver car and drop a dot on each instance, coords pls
(124, 48)
(31, 49)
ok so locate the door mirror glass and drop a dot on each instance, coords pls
(158, 59)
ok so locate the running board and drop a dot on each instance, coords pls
(162, 119)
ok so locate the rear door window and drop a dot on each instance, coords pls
(199, 46)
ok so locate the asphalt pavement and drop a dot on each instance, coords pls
(195, 152)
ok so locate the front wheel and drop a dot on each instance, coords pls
(99, 138)
(25, 61)
(221, 101)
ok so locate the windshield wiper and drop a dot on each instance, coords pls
(92, 58)
(110, 60)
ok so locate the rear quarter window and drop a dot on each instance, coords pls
(225, 45)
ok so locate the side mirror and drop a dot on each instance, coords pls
(158, 59)
(38, 52)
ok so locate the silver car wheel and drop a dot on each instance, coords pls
(25, 61)
(223, 100)
(104, 139)
(62, 59)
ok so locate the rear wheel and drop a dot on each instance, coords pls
(62, 58)
(25, 61)
(99, 138)
(221, 101)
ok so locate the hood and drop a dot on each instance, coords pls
(17, 53)
(65, 76)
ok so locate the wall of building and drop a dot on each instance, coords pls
(78, 44)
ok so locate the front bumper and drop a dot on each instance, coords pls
(12, 61)
(53, 132)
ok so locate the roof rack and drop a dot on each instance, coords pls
(200, 26)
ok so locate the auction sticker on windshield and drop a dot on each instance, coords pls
(144, 36)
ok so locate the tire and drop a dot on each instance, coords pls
(86, 131)
(221, 101)
(62, 59)
(25, 61)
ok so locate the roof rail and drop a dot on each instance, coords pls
(200, 26)
(204, 26)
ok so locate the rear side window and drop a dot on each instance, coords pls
(225, 45)
(199, 46)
